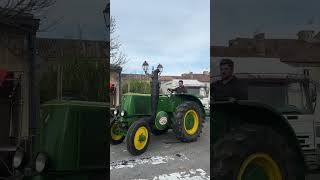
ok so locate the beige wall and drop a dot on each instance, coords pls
(11, 62)
(115, 79)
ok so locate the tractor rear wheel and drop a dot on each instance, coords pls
(255, 152)
(138, 137)
(115, 136)
(188, 122)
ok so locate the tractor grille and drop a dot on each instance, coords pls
(92, 146)
(141, 104)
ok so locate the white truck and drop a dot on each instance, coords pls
(275, 133)
(194, 87)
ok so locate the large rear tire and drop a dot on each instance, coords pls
(188, 122)
(255, 152)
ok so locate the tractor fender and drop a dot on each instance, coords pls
(188, 97)
(246, 112)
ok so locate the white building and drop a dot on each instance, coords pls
(194, 87)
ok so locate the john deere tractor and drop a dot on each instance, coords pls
(274, 135)
(143, 114)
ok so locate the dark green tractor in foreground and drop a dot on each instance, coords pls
(274, 135)
(143, 114)
(70, 143)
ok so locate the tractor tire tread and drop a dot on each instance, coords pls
(231, 150)
(178, 122)
(131, 133)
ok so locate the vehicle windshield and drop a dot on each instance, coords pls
(285, 97)
(197, 91)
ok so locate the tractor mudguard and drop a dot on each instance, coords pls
(189, 97)
(228, 115)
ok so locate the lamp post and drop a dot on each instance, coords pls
(155, 87)
(145, 67)
(106, 15)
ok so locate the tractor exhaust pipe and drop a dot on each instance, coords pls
(155, 87)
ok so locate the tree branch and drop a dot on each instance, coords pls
(117, 57)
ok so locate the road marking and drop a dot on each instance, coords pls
(154, 160)
(192, 174)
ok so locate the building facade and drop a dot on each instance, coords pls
(302, 52)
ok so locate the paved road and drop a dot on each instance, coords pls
(313, 177)
(166, 158)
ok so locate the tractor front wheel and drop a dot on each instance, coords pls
(254, 152)
(115, 136)
(188, 122)
(138, 137)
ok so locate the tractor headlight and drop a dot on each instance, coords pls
(123, 113)
(17, 159)
(115, 112)
(41, 162)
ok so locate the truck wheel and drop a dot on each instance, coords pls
(255, 152)
(188, 122)
(115, 137)
(138, 137)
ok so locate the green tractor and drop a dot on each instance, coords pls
(274, 135)
(143, 114)
(68, 144)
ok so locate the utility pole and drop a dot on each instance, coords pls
(59, 81)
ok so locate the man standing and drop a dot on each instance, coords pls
(229, 86)
(180, 90)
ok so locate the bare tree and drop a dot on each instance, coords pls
(117, 57)
(13, 8)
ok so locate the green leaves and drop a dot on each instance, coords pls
(136, 86)
(81, 78)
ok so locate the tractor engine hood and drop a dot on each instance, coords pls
(72, 133)
(136, 104)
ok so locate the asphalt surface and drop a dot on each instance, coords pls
(165, 158)
(313, 177)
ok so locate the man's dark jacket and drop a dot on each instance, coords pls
(235, 88)
(180, 90)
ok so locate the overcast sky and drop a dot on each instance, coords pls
(71, 15)
(277, 18)
(173, 33)
(177, 33)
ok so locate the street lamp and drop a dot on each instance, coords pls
(145, 67)
(160, 67)
(155, 87)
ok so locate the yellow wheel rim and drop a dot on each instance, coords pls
(114, 136)
(191, 122)
(263, 162)
(141, 138)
